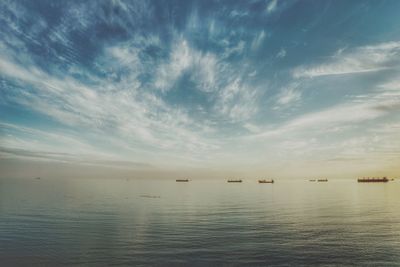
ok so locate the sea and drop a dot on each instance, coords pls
(204, 222)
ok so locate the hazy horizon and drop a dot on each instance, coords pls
(200, 89)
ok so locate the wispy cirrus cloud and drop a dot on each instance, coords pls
(141, 116)
(281, 53)
(288, 97)
(191, 84)
(237, 101)
(357, 60)
(183, 59)
(272, 5)
(353, 112)
(258, 40)
(121, 104)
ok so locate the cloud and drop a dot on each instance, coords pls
(138, 116)
(115, 83)
(25, 142)
(236, 49)
(342, 114)
(258, 40)
(352, 129)
(185, 59)
(237, 101)
(234, 99)
(281, 53)
(272, 6)
(68, 158)
(391, 86)
(252, 127)
(358, 60)
(120, 103)
(288, 96)
(324, 121)
(238, 13)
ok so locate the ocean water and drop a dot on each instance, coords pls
(51, 222)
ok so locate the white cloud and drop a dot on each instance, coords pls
(391, 86)
(237, 101)
(252, 127)
(183, 58)
(358, 60)
(342, 114)
(281, 53)
(105, 109)
(238, 13)
(289, 96)
(272, 5)
(235, 49)
(253, 73)
(125, 55)
(124, 118)
(324, 121)
(20, 141)
(258, 40)
(234, 99)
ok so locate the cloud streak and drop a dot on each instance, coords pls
(358, 60)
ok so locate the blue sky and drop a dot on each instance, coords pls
(291, 88)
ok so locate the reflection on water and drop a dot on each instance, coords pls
(203, 222)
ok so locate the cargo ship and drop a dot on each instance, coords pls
(234, 181)
(322, 180)
(263, 181)
(312, 180)
(373, 180)
(182, 180)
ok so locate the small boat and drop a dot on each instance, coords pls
(312, 180)
(266, 181)
(322, 180)
(37, 178)
(182, 180)
(234, 181)
(373, 180)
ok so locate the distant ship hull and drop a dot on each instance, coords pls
(322, 180)
(182, 180)
(373, 180)
(265, 181)
(234, 181)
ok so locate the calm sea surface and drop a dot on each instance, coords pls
(50, 222)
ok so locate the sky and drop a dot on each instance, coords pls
(257, 88)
